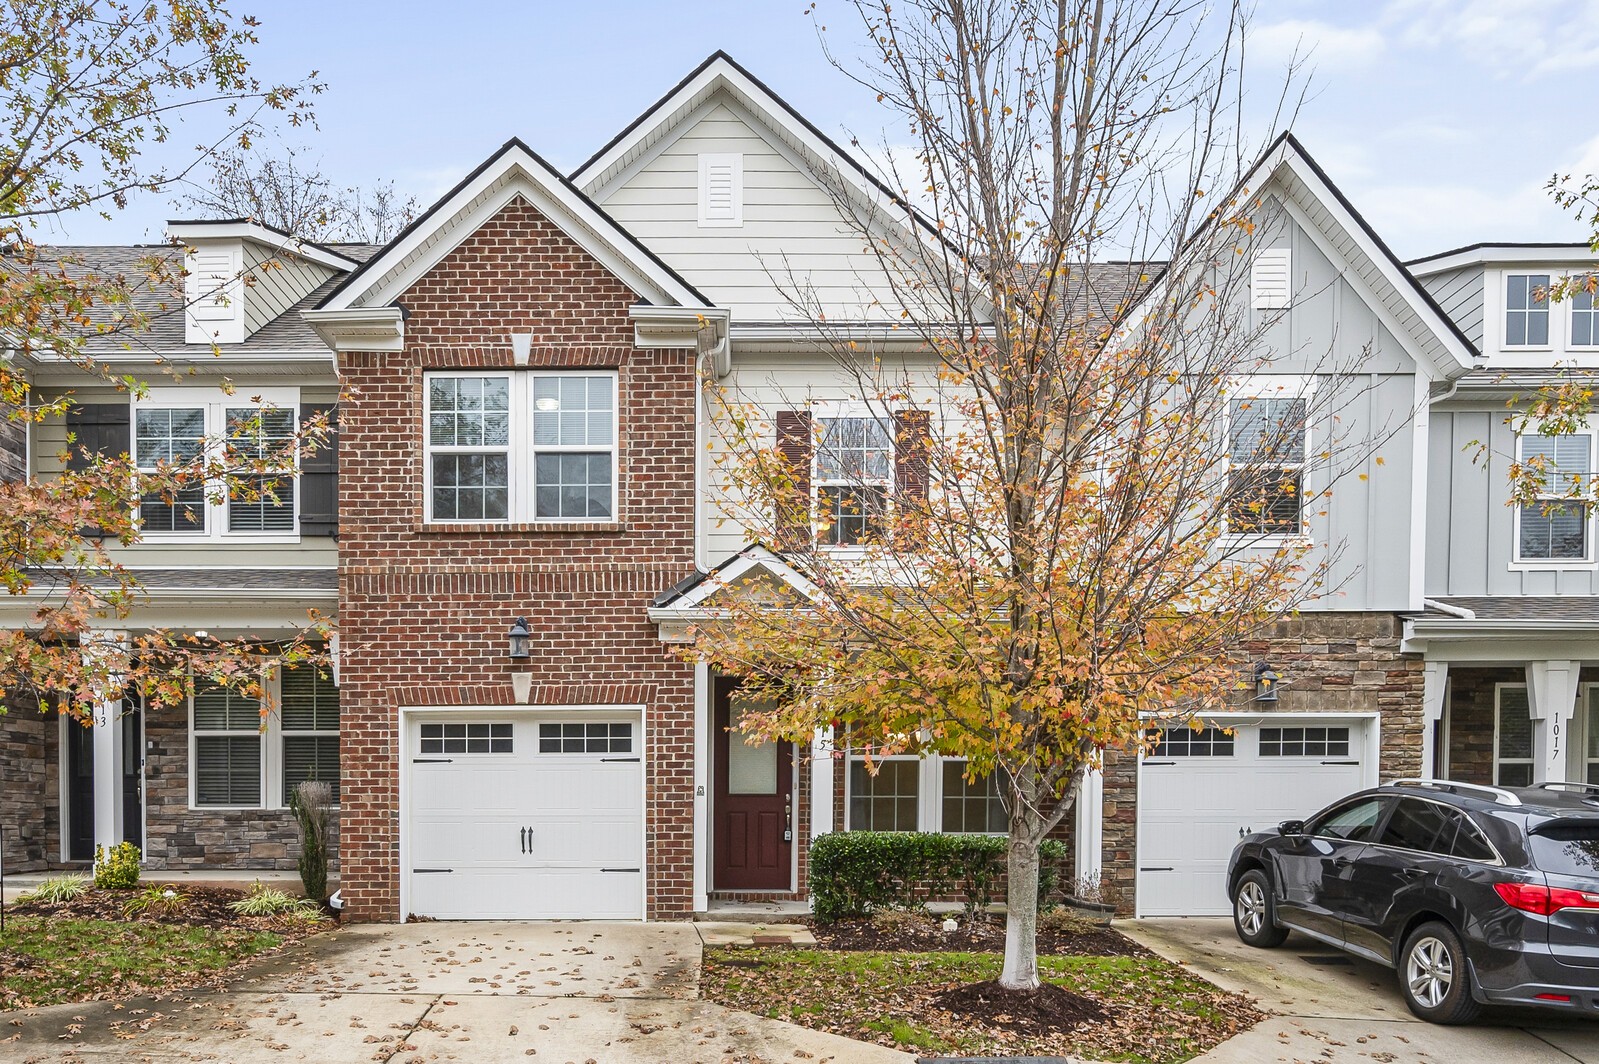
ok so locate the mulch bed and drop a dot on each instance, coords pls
(987, 935)
(204, 906)
(1049, 1008)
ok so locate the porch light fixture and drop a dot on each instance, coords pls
(519, 637)
(1266, 680)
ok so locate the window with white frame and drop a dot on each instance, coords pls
(1527, 310)
(909, 793)
(1512, 736)
(251, 499)
(309, 712)
(852, 478)
(1584, 316)
(1266, 463)
(521, 447)
(240, 758)
(1554, 527)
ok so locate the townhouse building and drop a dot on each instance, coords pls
(529, 519)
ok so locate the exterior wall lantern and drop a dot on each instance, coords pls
(519, 638)
(1266, 680)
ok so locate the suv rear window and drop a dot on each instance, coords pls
(1567, 849)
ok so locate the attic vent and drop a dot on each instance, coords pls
(721, 190)
(209, 274)
(1270, 279)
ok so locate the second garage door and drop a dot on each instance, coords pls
(525, 816)
(1198, 790)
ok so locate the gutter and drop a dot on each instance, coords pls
(1453, 611)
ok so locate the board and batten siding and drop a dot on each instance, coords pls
(275, 281)
(1460, 293)
(1471, 529)
(793, 235)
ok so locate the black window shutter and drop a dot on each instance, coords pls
(319, 477)
(98, 430)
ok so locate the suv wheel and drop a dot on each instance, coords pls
(1254, 916)
(1434, 978)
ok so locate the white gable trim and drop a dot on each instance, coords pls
(514, 172)
(189, 233)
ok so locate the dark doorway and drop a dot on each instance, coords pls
(80, 783)
(753, 803)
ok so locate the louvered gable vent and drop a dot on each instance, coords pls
(1270, 279)
(721, 190)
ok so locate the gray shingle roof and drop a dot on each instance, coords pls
(163, 303)
(1552, 608)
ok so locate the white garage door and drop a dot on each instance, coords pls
(523, 816)
(1198, 789)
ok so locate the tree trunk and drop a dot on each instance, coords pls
(1021, 900)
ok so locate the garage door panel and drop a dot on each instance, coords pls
(1191, 809)
(510, 831)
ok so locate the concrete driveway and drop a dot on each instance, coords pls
(484, 993)
(1330, 1007)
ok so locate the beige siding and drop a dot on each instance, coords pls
(794, 237)
(275, 281)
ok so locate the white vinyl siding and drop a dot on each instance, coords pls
(521, 447)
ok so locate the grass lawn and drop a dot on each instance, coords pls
(47, 960)
(1157, 1012)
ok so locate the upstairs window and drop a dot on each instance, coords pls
(521, 447)
(1266, 460)
(853, 478)
(1584, 319)
(172, 436)
(1527, 310)
(1555, 526)
(266, 503)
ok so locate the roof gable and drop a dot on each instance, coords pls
(514, 170)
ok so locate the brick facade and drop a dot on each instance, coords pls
(423, 610)
(1330, 663)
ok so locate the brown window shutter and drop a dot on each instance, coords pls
(794, 444)
(911, 438)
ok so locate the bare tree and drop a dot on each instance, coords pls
(284, 190)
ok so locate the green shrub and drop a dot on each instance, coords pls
(312, 802)
(854, 873)
(59, 890)
(263, 900)
(156, 902)
(116, 868)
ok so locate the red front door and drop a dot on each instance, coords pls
(753, 804)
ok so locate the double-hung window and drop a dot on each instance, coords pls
(1512, 736)
(1266, 463)
(1584, 316)
(242, 758)
(240, 455)
(1527, 310)
(520, 447)
(1554, 527)
(932, 793)
(853, 477)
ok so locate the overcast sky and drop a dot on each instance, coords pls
(1442, 120)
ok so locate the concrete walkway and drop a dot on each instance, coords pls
(483, 993)
(1330, 1007)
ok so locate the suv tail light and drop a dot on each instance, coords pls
(1542, 900)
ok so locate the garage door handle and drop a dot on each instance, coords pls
(618, 759)
(432, 760)
(1157, 869)
(522, 835)
(426, 871)
(619, 870)
(1340, 762)
(1157, 764)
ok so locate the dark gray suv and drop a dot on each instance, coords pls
(1476, 895)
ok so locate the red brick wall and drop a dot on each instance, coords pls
(423, 611)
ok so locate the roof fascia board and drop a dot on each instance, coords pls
(193, 232)
(723, 576)
(517, 170)
(1494, 254)
(359, 328)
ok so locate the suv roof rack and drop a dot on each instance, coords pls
(1499, 795)
(1555, 785)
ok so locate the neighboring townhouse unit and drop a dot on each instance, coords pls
(204, 786)
(532, 517)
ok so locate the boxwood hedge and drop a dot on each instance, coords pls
(854, 872)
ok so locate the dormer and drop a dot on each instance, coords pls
(240, 274)
(1499, 295)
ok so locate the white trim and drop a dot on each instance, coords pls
(406, 714)
(64, 786)
(929, 789)
(515, 171)
(189, 232)
(1090, 828)
(1256, 387)
(380, 329)
(703, 870)
(1500, 254)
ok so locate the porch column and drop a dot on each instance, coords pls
(1435, 681)
(702, 806)
(1090, 831)
(822, 782)
(106, 743)
(1551, 701)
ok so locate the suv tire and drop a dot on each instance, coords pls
(1254, 914)
(1434, 976)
